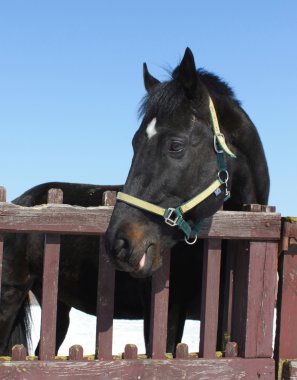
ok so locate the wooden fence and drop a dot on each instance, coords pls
(250, 286)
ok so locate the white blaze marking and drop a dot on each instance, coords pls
(151, 128)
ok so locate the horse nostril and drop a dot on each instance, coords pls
(120, 247)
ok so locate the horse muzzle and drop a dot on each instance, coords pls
(132, 250)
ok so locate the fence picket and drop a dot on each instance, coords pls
(210, 298)
(50, 287)
(159, 309)
(105, 296)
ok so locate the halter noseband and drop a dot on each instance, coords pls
(174, 216)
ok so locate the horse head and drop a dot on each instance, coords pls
(178, 174)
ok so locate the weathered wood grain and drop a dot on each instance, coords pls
(18, 352)
(109, 198)
(105, 304)
(144, 369)
(76, 352)
(54, 219)
(159, 309)
(254, 296)
(67, 219)
(50, 287)
(182, 351)
(210, 298)
(231, 350)
(130, 351)
(286, 332)
(2, 194)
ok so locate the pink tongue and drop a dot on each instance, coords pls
(142, 262)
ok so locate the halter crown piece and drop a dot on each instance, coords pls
(174, 216)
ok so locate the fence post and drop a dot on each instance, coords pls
(210, 297)
(50, 287)
(105, 294)
(159, 309)
(286, 332)
(254, 296)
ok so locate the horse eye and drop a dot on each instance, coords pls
(176, 146)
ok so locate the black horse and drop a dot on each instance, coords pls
(196, 143)
(177, 156)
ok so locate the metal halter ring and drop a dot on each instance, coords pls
(223, 180)
(191, 242)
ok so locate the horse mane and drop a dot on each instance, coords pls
(167, 96)
(217, 85)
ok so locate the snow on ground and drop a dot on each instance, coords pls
(82, 331)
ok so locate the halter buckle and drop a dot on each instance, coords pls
(216, 143)
(170, 221)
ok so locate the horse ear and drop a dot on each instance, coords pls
(149, 80)
(186, 73)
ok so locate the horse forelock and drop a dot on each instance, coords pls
(163, 100)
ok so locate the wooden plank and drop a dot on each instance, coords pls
(159, 309)
(94, 220)
(231, 350)
(18, 352)
(109, 198)
(210, 298)
(182, 351)
(130, 351)
(50, 288)
(289, 232)
(105, 304)
(286, 332)
(62, 219)
(254, 295)
(261, 299)
(76, 352)
(144, 369)
(2, 194)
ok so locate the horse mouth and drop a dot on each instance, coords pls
(141, 263)
(148, 263)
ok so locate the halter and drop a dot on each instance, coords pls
(174, 216)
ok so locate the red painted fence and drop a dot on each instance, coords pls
(250, 286)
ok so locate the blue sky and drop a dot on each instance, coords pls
(71, 81)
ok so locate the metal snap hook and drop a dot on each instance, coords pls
(221, 174)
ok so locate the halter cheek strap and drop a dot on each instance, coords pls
(174, 216)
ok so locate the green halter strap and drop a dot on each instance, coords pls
(174, 216)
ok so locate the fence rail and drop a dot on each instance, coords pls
(253, 239)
